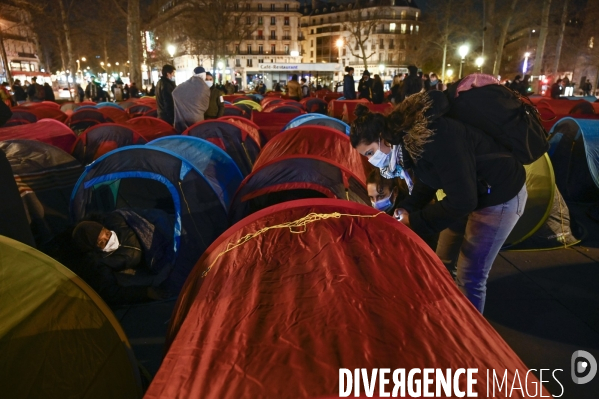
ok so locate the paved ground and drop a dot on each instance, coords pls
(544, 304)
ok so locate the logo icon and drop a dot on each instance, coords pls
(583, 366)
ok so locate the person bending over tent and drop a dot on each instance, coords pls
(483, 202)
(129, 242)
(191, 99)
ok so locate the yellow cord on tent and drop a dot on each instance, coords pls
(296, 227)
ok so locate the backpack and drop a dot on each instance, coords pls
(40, 92)
(511, 119)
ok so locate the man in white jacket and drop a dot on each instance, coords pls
(191, 99)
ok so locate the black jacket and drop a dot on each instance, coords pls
(164, 100)
(129, 253)
(365, 89)
(5, 113)
(449, 163)
(20, 94)
(216, 107)
(412, 84)
(49, 93)
(395, 94)
(378, 92)
(349, 87)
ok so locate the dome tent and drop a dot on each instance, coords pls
(149, 177)
(293, 177)
(58, 339)
(314, 140)
(319, 120)
(232, 138)
(546, 222)
(574, 152)
(290, 295)
(45, 176)
(150, 128)
(218, 167)
(101, 139)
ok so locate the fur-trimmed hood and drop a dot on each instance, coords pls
(409, 122)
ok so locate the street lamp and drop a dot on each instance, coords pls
(525, 65)
(463, 51)
(479, 63)
(381, 69)
(449, 73)
(171, 50)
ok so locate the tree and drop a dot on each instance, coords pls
(362, 22)
(560, 39)
(507, 20)
(132, 16)
(536, 71)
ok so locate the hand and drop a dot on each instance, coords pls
(403, 216)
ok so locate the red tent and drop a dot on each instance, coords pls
(117, 115)
(314, 140)
(232, 110)
(101, 139)
(337, 107)
(150, 128)
(288, 296)
(271, 123)
(48, 131)
(348, 110)
(45, 111)
(83, 118)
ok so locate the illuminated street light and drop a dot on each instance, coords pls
(171, 50)
(449, 73)
(479, 62)
(340, 43)
(463, 51)
(116, 63)
(83, 59)
(220, 65)
(525, 65)
(381, 69)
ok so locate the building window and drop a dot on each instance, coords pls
(286, 7)
(382, 44)
(236, 6)
(237, 49)
(411, 29)
(260, 60)
(272, 7)
(260, 21)
(273, 34)
(248, 6)
(249, 49)
(403, 28)
(273, 48)
(338, 18)
(286, 49)
(592, 42)
(417, 14)
(249, 62)
(237, 62)
(259, 7)
(273, 20)
(286, 20)
(312, 53)
(321, 21)
(392, 27)
(417, 29)
(330, 19)
(311, 43)
(403, 15)
(248, 20)
(260, 49)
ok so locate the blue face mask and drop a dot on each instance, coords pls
(379, 159)
(383, 205)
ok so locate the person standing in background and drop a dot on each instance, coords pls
(164, 94)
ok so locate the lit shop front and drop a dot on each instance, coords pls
(323, 74)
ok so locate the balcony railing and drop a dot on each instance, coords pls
(272, 37)
(259, 37)
(286, 37)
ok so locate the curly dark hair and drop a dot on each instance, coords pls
(367, 127)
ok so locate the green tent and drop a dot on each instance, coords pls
(545, 223)
(58, 339)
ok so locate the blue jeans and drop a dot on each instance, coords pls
(469, 247)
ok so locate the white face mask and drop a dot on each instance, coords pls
(209, 83)
(379, 159)
(112, 244)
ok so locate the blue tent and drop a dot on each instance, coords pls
(318, 120)
(218, 167)
(574, 152)
(150, 177)
(107, 104)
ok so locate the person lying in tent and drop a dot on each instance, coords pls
(130, 253)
